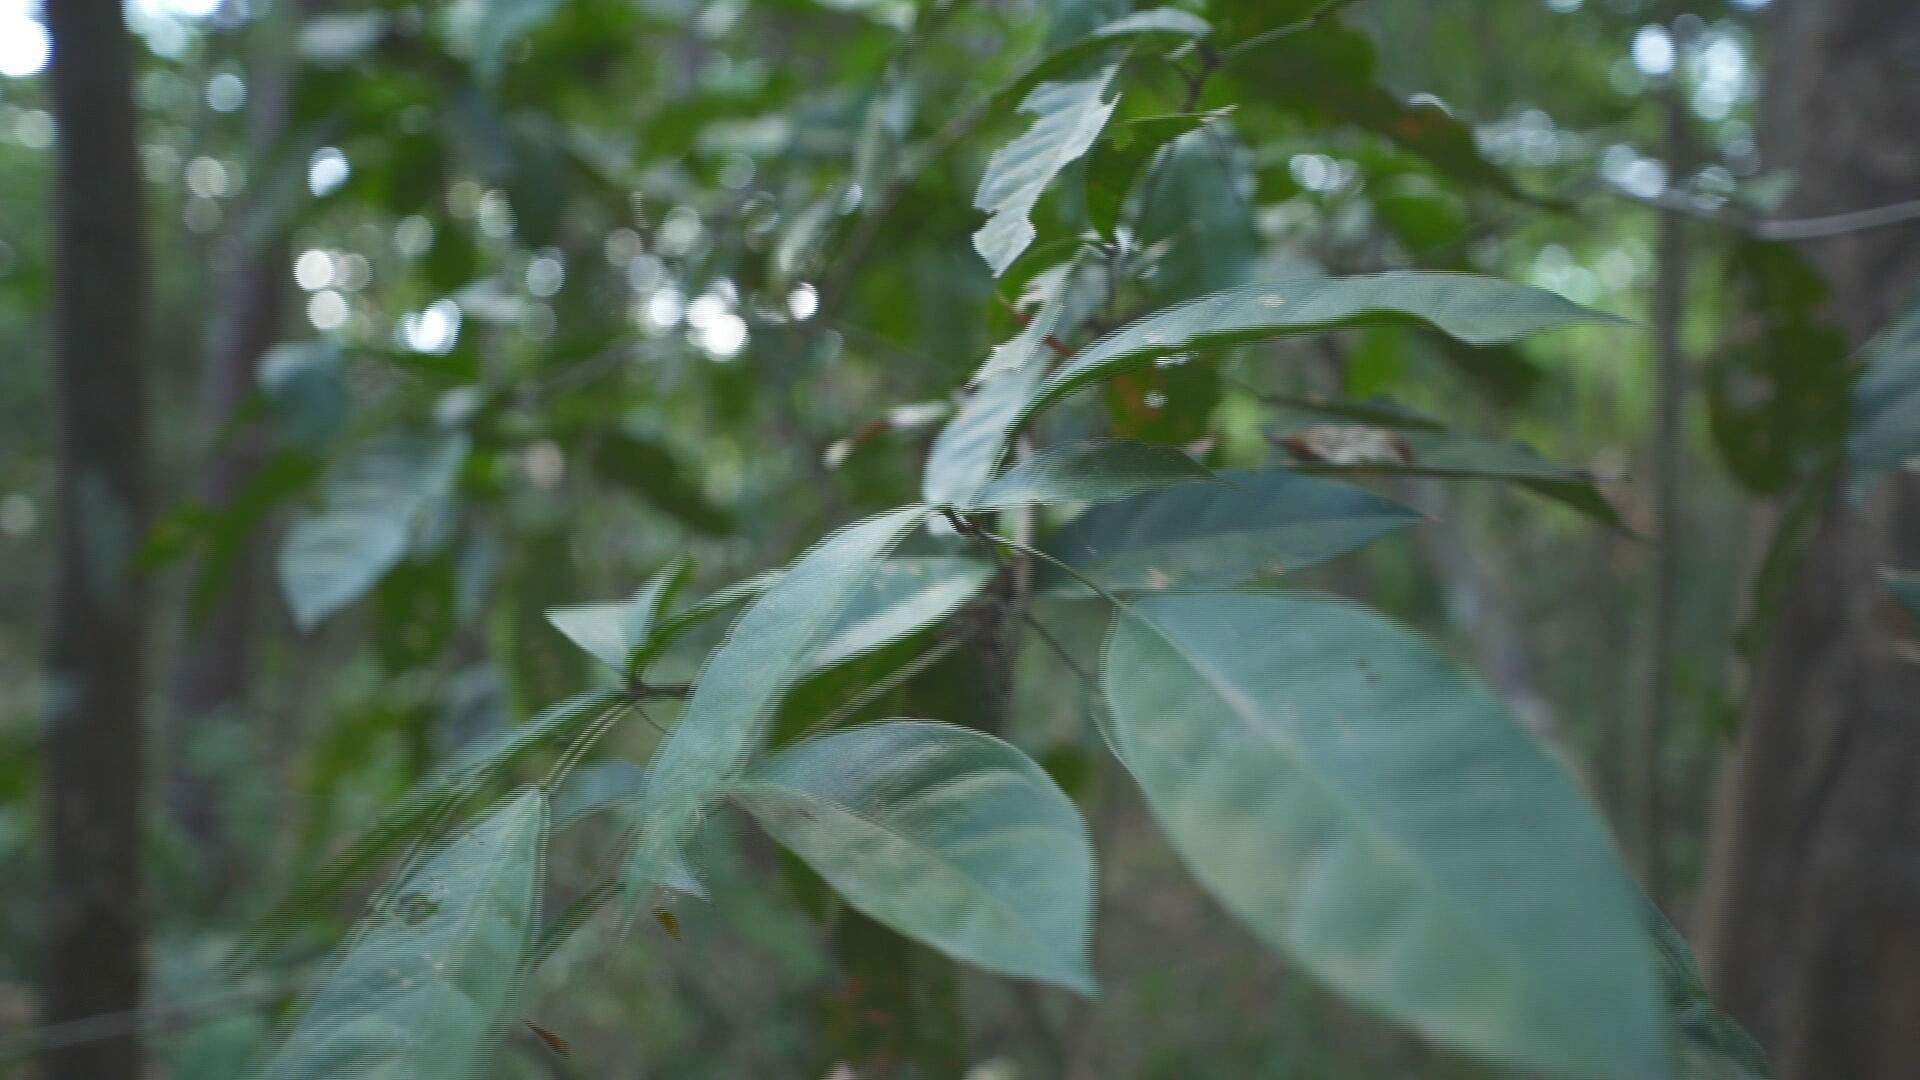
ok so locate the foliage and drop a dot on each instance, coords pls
(633, 264)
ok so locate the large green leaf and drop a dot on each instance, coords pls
(1096, 470)
(945, 834)
(1068, 118)
(1378, 817)
(421, 813)
(371, 505)
(612, 632)
(1214, 535)
(1477, 310)
(427, 979)
(1886, 400)
(903, 596)
(768, 649)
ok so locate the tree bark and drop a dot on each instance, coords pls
(94, 960)
(1811, 907)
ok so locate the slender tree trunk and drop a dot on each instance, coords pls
(92, 774)
(210, 682)
(1670, 399)
(1811, 911)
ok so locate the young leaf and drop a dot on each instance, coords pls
(903, 596)
(1379, 818)
(428, 978)
(1068, 118)
(947, 835)
(1215, 535)
(767, 650)
(371, 504)
(613, 632)
(668, 628)
(1477, 310)
(1096, 470)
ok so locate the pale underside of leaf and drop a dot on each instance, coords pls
(1379, 818)
(945, 834)
(1068, 118)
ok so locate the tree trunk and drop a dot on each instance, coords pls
(209, 684)
(92, 767)
(1811, 907)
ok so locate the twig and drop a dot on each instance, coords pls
(1781, 229)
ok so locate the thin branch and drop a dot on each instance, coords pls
(1782, 229)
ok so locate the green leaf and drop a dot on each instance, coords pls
(485, 31)
(947, 835)
(1214, 535)
(670, 628)
(306, 389)
(613, 632)
(1477, 310)
(768, 649)
(1053, 286)
(1712, 1046)
(903, 597)
(371, 506)
(1169, 22)
(1886, 400)
(427, 979)
(967, 450)
(1096, 470)
(419, 814)
(1198, 209)
(341, 38)
(1905, 586)
(1068, 118)
(1116, 163)
(1379, 818)
(595, 788)
(1390, 441)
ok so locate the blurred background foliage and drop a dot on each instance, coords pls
(583, 286)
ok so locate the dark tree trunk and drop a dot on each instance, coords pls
(1811, 911)
(92, 768)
